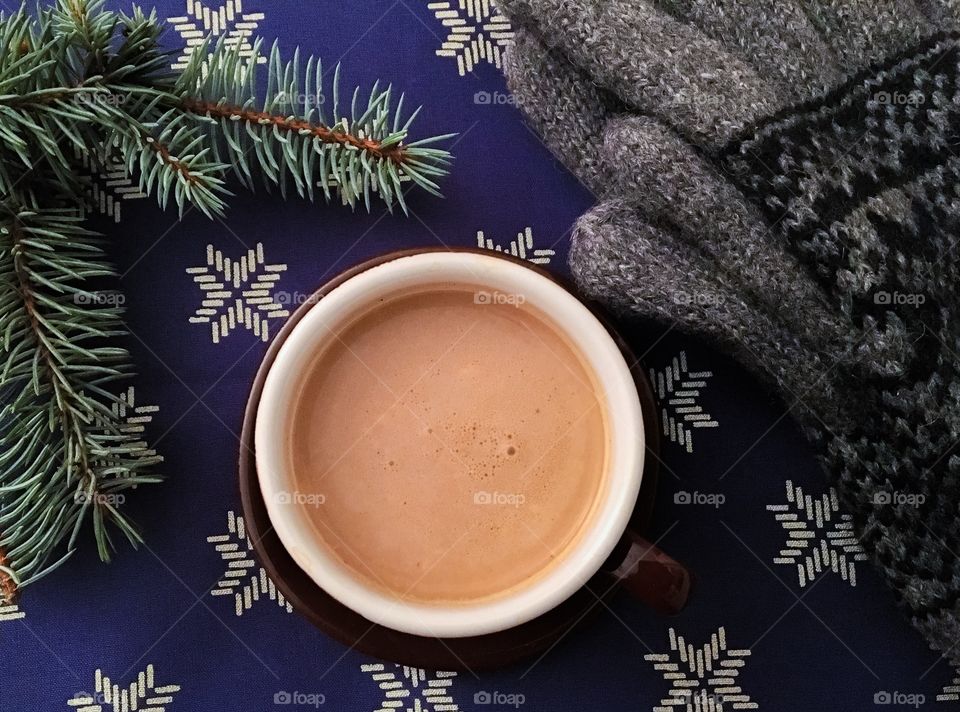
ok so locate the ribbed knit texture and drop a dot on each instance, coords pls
(780, 178)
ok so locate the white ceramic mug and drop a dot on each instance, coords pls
(665, 583)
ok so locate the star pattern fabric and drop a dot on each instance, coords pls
(191, 621)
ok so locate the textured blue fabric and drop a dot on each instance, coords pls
(732, 458)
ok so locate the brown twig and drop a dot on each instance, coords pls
(168, 159)
(21, 101)
(9, 591)
(395, 153)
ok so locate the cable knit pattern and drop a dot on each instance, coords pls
(810, 205)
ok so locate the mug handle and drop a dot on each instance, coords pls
(649, 574)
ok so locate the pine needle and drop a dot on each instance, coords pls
(79, 80)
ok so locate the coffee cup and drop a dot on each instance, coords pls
(343, 524)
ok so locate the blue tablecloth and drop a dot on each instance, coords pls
(786, 614)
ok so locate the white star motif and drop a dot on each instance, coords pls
(701, 679)
(407, 689)
(951, 693)
(238, 293)
(244, 579)
(11, 612)
(521, 246)
(142, 694)
(819, 537)
(678, 391)
(475, 31)
(110, 185)
(228, 21)
(132, 419)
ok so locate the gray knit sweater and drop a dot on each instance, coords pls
(782, 178)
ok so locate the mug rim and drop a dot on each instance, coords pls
(611, 514)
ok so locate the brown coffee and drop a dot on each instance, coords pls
(449, 445)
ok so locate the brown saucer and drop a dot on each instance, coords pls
(343, 624)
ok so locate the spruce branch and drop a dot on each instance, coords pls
(64, 454)
(356, 150)
(79, 83)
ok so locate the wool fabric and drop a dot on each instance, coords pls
(781, 179)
